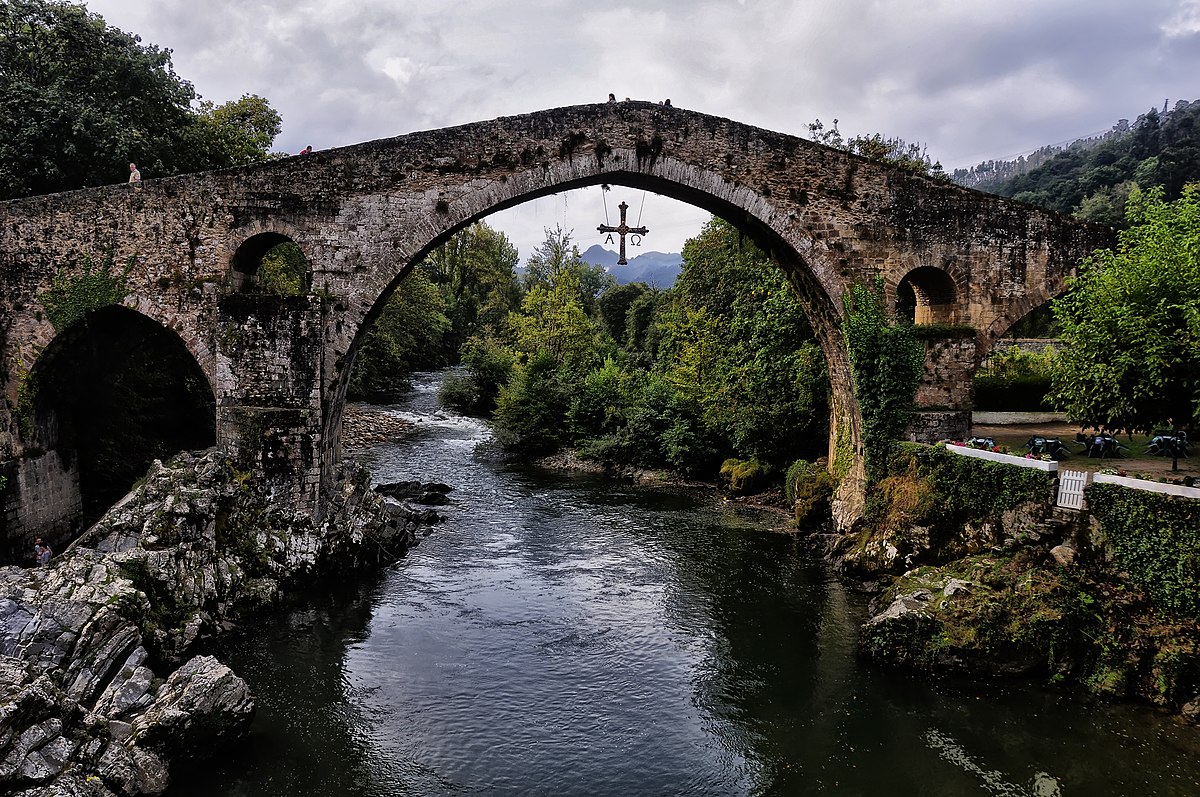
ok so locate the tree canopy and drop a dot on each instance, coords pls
(1131, 322)
(1092, 178)
(80, 100)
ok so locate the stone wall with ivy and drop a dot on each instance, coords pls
(931, 506)
(987, 578)
(1156, 540)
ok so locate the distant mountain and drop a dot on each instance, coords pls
(657, 269)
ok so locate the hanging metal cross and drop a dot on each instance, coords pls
(623, 230)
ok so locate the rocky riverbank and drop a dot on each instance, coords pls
(977, 573)
(100, 690)
(365, 425)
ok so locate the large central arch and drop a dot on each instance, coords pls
(814, 283)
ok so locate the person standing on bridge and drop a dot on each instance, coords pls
(135, 177)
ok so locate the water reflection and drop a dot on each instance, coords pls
(575, 635)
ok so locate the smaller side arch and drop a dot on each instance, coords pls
(928, 295)
(110, 394)
(245, 267)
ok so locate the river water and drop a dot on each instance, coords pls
(573, 635)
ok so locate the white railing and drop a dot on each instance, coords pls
(1071, 482)
(1007, 459)
(1145, 484)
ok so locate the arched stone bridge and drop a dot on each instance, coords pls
(364, 215)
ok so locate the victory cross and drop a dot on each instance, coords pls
(623, 229)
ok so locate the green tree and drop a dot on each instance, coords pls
(736, 344)
(552, 322)
(406, 336)
(1131, 322)
(475, 271)
(557, 255)
(79, 100)
(237, 133)
(282, 271)
(613, 307)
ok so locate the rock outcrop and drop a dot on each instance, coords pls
(99, 688)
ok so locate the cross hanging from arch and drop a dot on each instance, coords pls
(623, 229)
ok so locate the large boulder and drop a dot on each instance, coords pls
(201, 706)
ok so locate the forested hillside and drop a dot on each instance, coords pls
(1092, 178)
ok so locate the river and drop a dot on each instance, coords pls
(575, 635)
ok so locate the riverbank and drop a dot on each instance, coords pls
(983, 575)
(769, 501)
(101, 692)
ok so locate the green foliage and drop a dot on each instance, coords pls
(653, 427)
(474, 272)
(26, 408)
(406, 336)
(600, 402)
(557, 258)
(79, 100)
(1131, 323)
(236, 133)
(1156, 539)
(531, 408)
(552, 321)
(70, 296)
(489, 365)
(885, 362)
(743, 475)
(1015, 380)
(930, 486)
(722, 364)
(808, 487)
(283, 271)
(614, 306)
(735, 344)
(892, 151)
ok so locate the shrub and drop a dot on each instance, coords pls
(808, 487)
(743, 475)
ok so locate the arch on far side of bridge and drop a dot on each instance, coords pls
(1018, 309)
(803, 261)
(109, 395)
(929, 295)
(246, 261)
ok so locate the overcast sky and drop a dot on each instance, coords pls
(971, 79)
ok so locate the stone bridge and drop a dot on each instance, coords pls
(264, 378)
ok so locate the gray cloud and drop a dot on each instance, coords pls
(971, 80)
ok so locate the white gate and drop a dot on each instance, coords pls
(1070, 488)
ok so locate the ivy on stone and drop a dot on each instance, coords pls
(70, 296)
(1156, 539)
(885, 363)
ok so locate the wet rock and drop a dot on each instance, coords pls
(202, 705)
(132, 770)
(399, 490)
(1190, 713)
